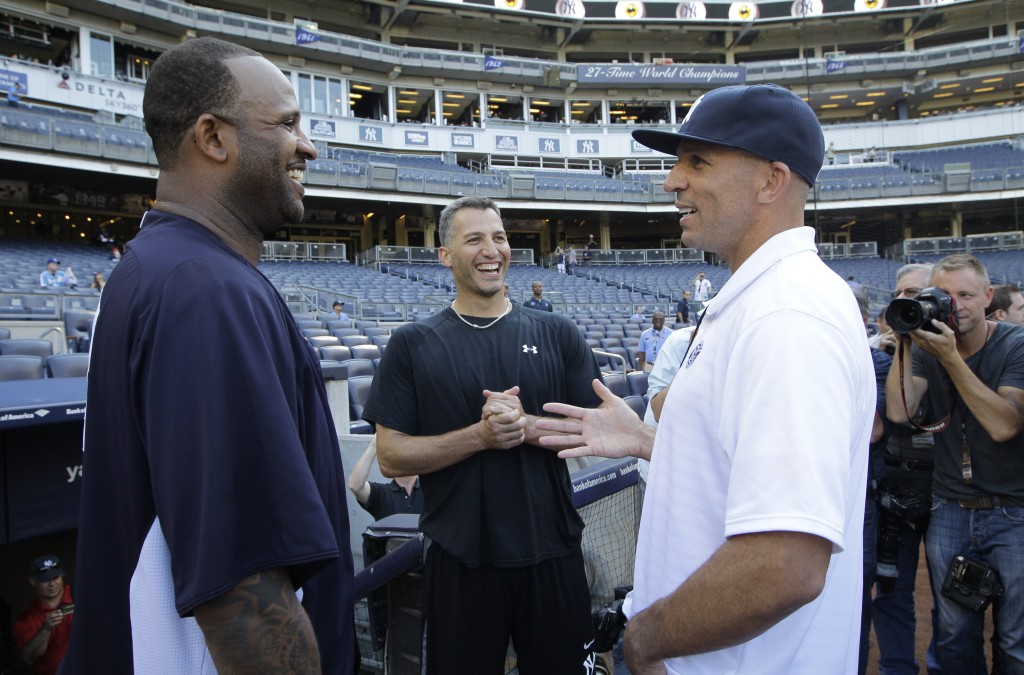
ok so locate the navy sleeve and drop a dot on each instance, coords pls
(219, 385)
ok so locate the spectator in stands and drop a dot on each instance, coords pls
(977, 506)
(908, 465)
(638, 314)
(854, 284)
(401, 495)
(1007, 304)
(52, 276)
(104, 238)
(497, 507)
(538, 301)
(14, 95)
(683, 309)
(588, 250)
(701, 288)
(572, 259)
(560, 260)
(98, 281)
(338, 311)
(751, 537)
(830, 154)
(42, 632)
(227, 498)
(651, 341)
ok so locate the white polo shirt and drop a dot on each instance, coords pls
(766, 428)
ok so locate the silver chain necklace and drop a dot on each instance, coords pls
(508, 308)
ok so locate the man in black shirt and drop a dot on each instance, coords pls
(401, 495)
(455, 401)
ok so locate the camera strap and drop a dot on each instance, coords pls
(935, 427)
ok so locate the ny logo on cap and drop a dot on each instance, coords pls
(692, 108)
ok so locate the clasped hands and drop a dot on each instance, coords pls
(610, 430)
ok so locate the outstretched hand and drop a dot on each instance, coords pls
(610, 430)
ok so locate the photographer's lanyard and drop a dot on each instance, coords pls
(965, 448)
(935, 427)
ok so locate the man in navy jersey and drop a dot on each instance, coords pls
(455, 401)
(213, 530)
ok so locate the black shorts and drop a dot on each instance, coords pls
(472, 612)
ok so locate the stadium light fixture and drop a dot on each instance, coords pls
(864, 103)
(982, 90)
(992, 80)
(363, 87)
(838, 97)
(409, 92)
(951, 85)
(743, 11)
(875, 93)
(449, 94)
(829, 105)
(945, 94)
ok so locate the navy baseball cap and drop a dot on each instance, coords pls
(763, 119)
(45, 567)
(52, 260)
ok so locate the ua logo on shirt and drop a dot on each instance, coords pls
(528, 348)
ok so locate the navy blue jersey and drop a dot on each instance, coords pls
(506, 508)
(210, 455)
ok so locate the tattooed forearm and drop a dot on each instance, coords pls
(259, 626)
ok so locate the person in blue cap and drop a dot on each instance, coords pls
(749, 556)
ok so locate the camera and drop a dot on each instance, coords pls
(906, 314)
(910, 507)
(609, 621)
(66, 609)
(890, 535)
(971, 583)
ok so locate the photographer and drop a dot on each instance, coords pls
(976, 373)
(905, 490)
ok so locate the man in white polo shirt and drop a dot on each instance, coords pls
(749, 552)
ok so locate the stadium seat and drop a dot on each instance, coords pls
(358, 394)
(356, 367)
(68, 365)
(626, 363)
(345, 332)
(616, 382)
(319, 341)
(78, 329)
(637, 404)
(365, 352)
(637, 381)
(5, 333)
(335, 324)
(351, 340)
(335, 353)
(370, 331)
(26, 347)
(609, 342)
(380, 341)
(315, 332)
(21, 367)
(366, 323)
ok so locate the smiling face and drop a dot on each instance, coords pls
(49, 592)
(715, 190)
(479, 254)
(272, 148)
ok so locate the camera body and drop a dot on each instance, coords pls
(907, 314)
(971, 583)
(913, 508)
